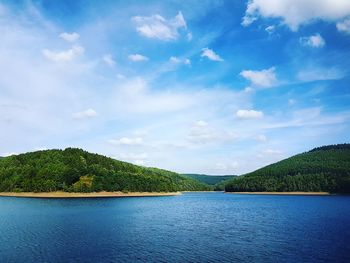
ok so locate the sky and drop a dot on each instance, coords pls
(215, 87)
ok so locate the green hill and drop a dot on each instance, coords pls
(209, 179)
(324, 168)
(80, 171)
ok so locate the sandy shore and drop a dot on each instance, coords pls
(87, 195)
(280, 193)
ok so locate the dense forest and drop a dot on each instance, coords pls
(324, 168)
(215, 182)
(75, 170)
(209, 179)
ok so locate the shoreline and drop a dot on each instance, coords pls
(60, 194)
(280, 193)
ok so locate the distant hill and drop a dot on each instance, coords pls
(325, 168)
(209, 179)
(80, 171)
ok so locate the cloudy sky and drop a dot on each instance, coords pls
(218, 87)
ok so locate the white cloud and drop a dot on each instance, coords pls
(70, 37)
(344, 26)
(63, 56)
(296, 12)
(315, 41)
(158, 27)
(177, 60)
(270, 29)
(137, 57)
(32, 90)
(263, 78)
(201, 133)
(89, 113)
(249, 114)
(210, 54)
(108, 59)
(127, 141)
(174, 60)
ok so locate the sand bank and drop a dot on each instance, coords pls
(280, 193)
(86, 195)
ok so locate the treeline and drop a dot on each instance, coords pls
(325, 168)
(210, 179)
(75, 170)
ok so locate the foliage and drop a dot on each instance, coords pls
(209, 179)
(77, 170)
(325, 168)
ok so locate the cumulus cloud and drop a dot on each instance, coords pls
(85, 114)
(108, 59)
(137, 57)
(210, 54)
(249, 114)
(296, 12)
(263, 78)
(344, 26)
(127, 141)
(158, 27)
(69, 37)
(163, 110)
(315, 41)
(63, 56)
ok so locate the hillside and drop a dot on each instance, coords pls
(324, 168)
(209, 179)
(75, 170)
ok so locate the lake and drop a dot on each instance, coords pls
(193, 227)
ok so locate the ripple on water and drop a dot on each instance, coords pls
(200, 227)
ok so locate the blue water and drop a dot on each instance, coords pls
(193, 227)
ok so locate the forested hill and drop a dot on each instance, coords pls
(80, 171)
(325, 168)
(209, 179)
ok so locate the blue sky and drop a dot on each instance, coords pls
(218, 87)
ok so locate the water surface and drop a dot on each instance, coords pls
(193, 227)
